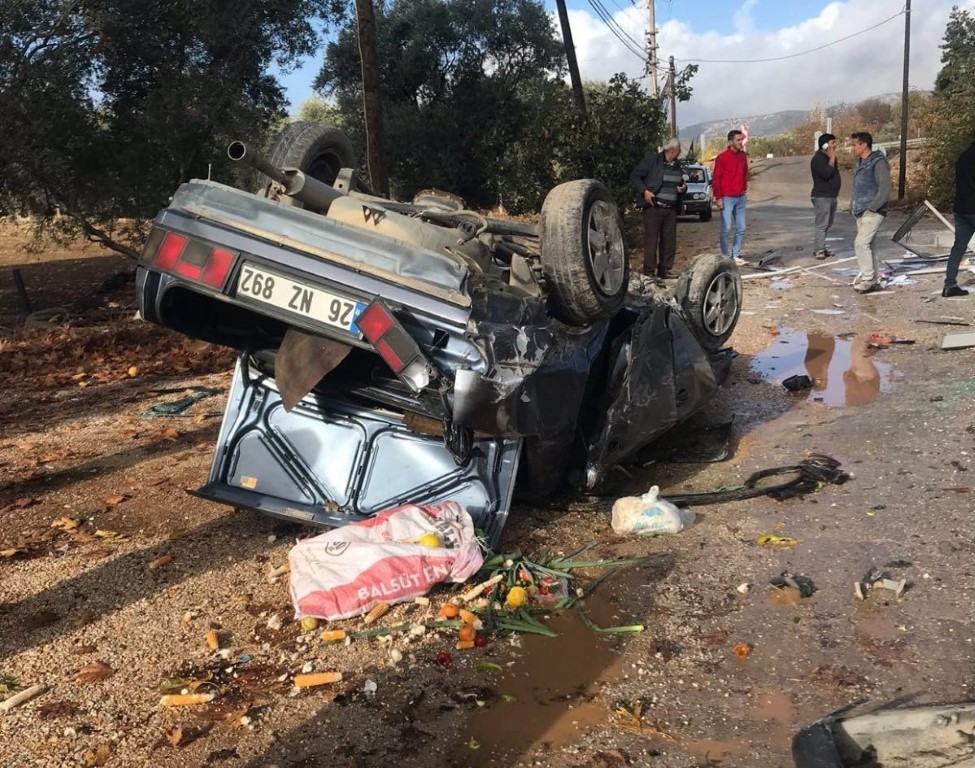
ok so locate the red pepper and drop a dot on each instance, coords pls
(443, 659)
(480, 641)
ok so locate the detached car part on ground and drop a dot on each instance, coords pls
(418, 352)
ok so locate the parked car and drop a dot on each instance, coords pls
(398, 352)
(698, 197)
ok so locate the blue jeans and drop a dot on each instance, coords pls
(734, 208)
(964, 229)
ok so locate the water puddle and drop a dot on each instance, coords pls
(843, 370)
(547, 696)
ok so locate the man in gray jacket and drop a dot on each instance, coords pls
(871, 191)
(659, 185)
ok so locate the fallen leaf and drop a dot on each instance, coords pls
(93, 673)
(159, 562)
(12, 552)
(114, 500)
(19, 504)
(55, 709)
(175, 735)
(81, 650)
(100, 756)
(65, 523)
(7, 683)
(170, 434)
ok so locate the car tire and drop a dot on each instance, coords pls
(705, 215)
(709, 293)
(318, 150)
(583, 253)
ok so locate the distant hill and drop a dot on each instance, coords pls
(758, 125)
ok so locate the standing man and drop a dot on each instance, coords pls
(871, 190)
(659, 184)
(964, 219)
(729, 185)
(825, 190)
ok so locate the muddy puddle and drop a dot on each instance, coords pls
(843, 369)
(548, 689)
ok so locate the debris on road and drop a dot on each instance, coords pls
(317, 678)
(773, 541)
(877, 578)
(176, 407)
(186, 699)
(803, 584)
(649, 515)
(958, 340)
(797, 383)
(351, 570)
(811, 474)
(23, 697)
(938, 735)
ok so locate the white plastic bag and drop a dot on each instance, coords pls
(347, 571)
(648, 514)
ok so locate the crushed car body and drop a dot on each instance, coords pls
(418, 352)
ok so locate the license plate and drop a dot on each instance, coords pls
(299, 298)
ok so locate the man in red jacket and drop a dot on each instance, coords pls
(729, 185)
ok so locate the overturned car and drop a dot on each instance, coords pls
(416, 352)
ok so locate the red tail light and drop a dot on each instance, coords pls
(217, 267)
(394, 344)
(191, 259)
(170, 250)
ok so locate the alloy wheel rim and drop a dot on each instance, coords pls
(720, 304)
(607, 256)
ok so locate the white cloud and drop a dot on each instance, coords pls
(867, 65)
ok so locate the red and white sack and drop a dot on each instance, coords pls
(347, 571)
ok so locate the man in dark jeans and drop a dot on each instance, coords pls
(964, 220)
(659, 183)
(826, 188)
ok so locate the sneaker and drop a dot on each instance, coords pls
(950, 291)
(875, 288)
(740, 261)
(667, 275)
(820, 255)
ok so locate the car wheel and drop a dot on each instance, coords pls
(582, 252)
(318, 150)
(709, 293)
(705, 215)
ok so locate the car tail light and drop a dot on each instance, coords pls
(394, 345)
(217, 267)
(170, 250)
(188, 258)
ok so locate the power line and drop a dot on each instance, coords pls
(794, 55)
(618, 32)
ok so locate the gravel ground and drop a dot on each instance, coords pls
(92, 613)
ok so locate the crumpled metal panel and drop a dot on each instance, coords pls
(331, 463)
(658, 374)
(537, 384)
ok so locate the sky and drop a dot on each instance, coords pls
(729, 31)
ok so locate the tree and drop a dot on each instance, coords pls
(874, 114)
(475, 104)
(952, 108)
(454, 75)
(107, 105)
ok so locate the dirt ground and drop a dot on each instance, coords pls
(113, 602)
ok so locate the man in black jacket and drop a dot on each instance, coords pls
(825, 190)
(964, 219)
(659, 183)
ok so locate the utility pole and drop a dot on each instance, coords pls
(372, 102)
(570, 57)
(673, 98)
(902, 175)
(652, 51)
